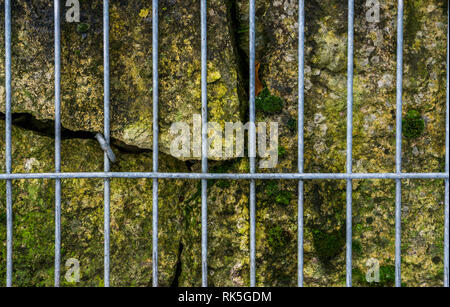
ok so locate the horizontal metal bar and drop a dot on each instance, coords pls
(258, 176)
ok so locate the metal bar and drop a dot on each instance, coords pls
(9, 213)
(204, 145)
(447, 150)
(155, 64)
(301, 102)
(107, 138)
(252, 147)
(57, 141)
(349, 141)
(398, 140)
(230, 176)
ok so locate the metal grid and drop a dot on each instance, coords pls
(300, 176)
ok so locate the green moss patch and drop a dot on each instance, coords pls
(277, 238)
(276, 195)
(328, 244)
(268, 103)
(413, 124)
(83, 28)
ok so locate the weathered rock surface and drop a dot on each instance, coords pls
(228, 216)
(373, 137)
(82, 215)
(131, 66)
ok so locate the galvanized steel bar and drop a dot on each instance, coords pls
(9, 212)
(106, 102)
(349, 142)
(155, 64)
(230, 176)
(57, 141)
(447, 151)
(252, 147)
(204, 144)
(301, 101)
(398, 140)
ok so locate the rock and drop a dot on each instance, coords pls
(131, 66)
(82, 215)
(373, 142)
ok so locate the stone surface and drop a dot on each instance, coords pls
(228, 214)
(131, 66)
(82, 215)
(373, 136)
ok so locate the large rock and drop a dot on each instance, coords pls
(131, 66)
(82, 215)
(373, 138)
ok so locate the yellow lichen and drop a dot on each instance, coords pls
(144, 13)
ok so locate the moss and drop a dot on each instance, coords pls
(328, 245)
(412, 22)
(271, 188)
(276, 195)
(277, 238)
(292, 124)
(284, 197)
(356, 248)
(387, 275)
(281, 151)
(413, 124)
(268, 103)
(222, 168)
(83, 28)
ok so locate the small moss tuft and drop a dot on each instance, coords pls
(387, 275)
(413, 124)
(328, 245)
(268, 103)
(292, 125)
(284, 197)
(357, 248)
(83, 28)
(281, 151)
(274, 193)
(277, 238)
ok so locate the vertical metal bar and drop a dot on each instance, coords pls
(398, 153)
(447, 133)
(252, 137)
(349, 141)
(155, 63)
(107, 137)
(204, 145)
(9, 218)
(57, 141)
(301, 101)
